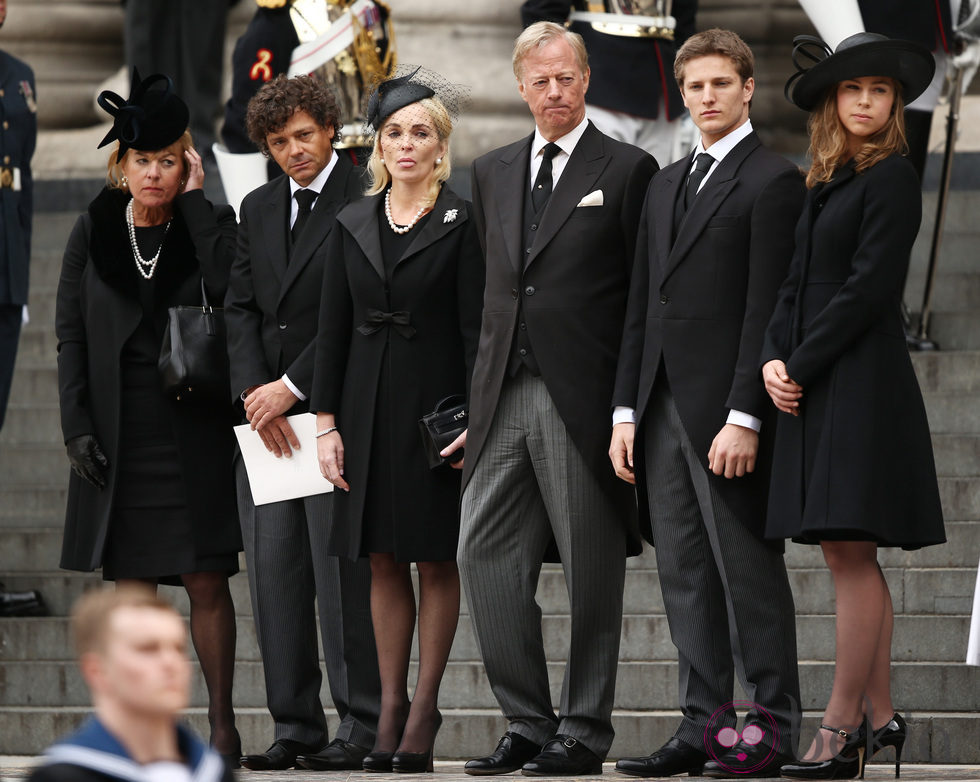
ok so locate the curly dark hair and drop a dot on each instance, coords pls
(271, 107)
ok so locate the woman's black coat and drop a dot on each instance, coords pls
(98, 309)
(439, 282)
(857, 462)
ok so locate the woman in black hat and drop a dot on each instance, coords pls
(151, 496)
(399, 326)
(853, 468)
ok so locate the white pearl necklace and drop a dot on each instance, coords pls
(146, 268)
(400, 229)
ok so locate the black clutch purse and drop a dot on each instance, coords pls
(443, 425)
(193, 360)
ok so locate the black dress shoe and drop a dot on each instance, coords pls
(22, 604)
(674, 757)
(338, 755)
(281, 755)
(746, 761)
(563, 756)
(512, 752)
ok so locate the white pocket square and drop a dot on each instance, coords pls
(592, 199)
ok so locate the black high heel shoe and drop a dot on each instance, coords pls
(846, 764)
(379, 760)
(416, 762)
(891, 734)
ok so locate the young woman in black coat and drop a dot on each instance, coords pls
(853, 466)
(151, 496)
(399, 325)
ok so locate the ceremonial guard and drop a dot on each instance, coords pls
(348, 43)
(18, 133)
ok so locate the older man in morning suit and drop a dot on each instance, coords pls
(714, 244)
(271, 309)
(557, 214)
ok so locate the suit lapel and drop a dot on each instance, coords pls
(274, 226)
(512, 178)
(587, 161)
(669, 187)
(448, 205)
(722, 181)
(318, 227)
(362, 221)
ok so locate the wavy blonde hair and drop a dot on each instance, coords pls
(378, 176)
(828, 139)
(114, 171)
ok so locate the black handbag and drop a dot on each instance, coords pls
(443, 425)
(194, 355)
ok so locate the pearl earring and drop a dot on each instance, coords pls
(124, 180)
(438, 160)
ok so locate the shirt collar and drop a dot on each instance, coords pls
(566, 142)
(319, 182)
(724, 145)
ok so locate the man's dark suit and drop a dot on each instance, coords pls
(271, 309)
(698, 307)
(567, 277)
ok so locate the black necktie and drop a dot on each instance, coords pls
(544, 183)
(696, 177)
(304, 199)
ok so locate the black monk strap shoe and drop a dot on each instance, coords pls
(563, 756)
(674, 757)
(338, 755)
(280, 756)
(746, 761)
(512, 752)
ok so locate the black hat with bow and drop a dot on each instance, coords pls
(152, 118)
(862, 54)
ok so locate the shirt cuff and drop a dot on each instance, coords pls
(296, 392)
(624, 415)
(739, 418)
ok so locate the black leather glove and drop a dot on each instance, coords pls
(87, 459)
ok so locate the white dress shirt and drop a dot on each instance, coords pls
(566, 143)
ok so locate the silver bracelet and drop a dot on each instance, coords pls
(326, 431)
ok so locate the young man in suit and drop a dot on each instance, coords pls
(271, 310)
(715, 241)
(556, 213)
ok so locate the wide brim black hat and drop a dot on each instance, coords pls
(862, 54)
(153, 117)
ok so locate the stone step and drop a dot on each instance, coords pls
(948, 371)
(956, 330)
(30, 422)
(35, 383)
(957, 254)
(38, 343)
(32, 462)
(640, 685)
(953, 412)
(951, 290)
(46, 255)
(960, 498)
(645, 637)
(20, 504)
(934, 737)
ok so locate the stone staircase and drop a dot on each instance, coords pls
(42, 696)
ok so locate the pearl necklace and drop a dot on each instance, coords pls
(146, 268)
(400, 229)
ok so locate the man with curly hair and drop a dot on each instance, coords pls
(271, 311)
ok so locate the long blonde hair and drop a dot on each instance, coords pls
(828, 139)
(378, 175)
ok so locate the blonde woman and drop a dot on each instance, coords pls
(399, 325)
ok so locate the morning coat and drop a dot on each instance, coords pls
(857, 462)
(438, 282)
(572, 284)
(274, 295)
(699, 305)
(98, 309)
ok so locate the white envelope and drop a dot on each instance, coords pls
(274, 480)
(592, 199)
